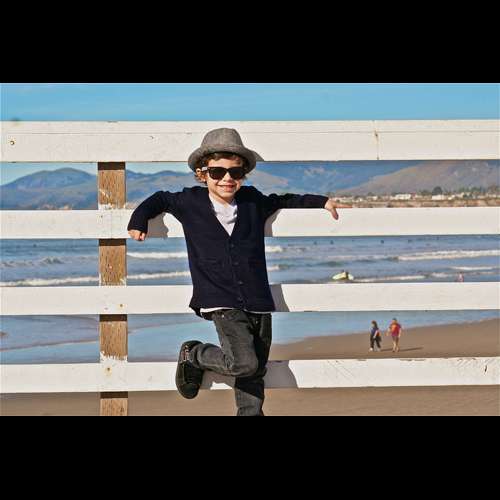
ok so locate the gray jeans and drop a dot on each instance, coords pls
(245, 340)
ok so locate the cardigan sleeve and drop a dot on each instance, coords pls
(161, 201)
(273, 202)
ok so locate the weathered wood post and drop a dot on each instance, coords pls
(112, 272)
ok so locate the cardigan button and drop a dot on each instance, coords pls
(239, 282)
(239, 299)
(231, 245)
(235, 263)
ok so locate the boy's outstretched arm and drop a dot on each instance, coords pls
(149, 209)
(331, 205)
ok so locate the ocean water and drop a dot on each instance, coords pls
(75, 339)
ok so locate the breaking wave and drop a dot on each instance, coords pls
(88, 279)
(451, 254)
(391, 278)
(49, 261)
(157, 255)
(49, 282)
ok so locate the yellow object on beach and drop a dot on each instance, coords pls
(342, 276)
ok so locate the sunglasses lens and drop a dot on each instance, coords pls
(218, 173)
(237, 173)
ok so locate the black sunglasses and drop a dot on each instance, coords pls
(218, 173)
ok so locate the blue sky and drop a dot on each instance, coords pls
(234, 102)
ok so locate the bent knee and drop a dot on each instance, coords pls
(246, 369)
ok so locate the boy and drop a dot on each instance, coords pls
(224, 230)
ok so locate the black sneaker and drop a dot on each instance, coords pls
(188, 378)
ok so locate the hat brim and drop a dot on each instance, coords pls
(195, 156)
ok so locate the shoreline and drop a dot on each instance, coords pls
(353, 341)
(450, 340)
(434, 341)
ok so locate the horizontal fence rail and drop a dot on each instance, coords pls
(118, 142)
(274, 141)
(124, 376)
(158, 299)
(77, 224)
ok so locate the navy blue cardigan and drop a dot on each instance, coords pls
(227, 271)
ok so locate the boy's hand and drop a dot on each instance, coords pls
(137, 235)
(331, 205)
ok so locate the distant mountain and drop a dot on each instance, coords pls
(449, 175)
(321, 176)
(52, 178)
(78, 197)
(73, 189)
(139, 188)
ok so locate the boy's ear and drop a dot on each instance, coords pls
(201, 175)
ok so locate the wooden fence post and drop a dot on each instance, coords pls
(112, 272)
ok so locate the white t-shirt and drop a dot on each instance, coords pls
(226, 215)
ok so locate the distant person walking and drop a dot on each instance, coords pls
(461, 277)
(395, 330)
(374, 336)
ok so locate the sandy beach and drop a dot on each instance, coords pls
(456, 340)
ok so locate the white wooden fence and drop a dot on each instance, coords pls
(112, 142)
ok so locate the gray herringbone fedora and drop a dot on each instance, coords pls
(222, 140)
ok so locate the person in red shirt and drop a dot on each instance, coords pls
(395, 330)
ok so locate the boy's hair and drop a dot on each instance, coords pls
(204, 160)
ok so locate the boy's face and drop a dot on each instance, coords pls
(225, 189)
